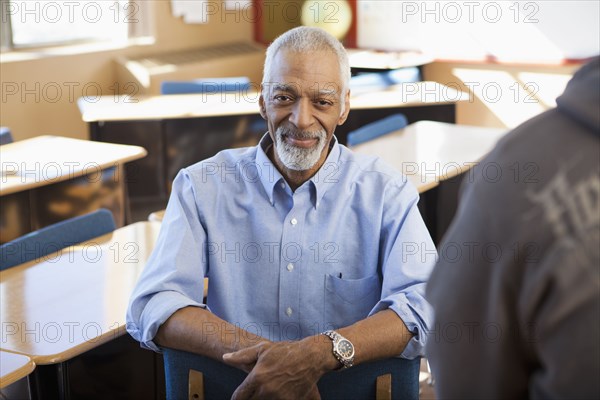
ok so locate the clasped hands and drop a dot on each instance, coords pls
(280, 370)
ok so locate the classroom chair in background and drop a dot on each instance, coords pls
(193, 376)
(376, 129)
(380, 80)
(55, 237)
(5, 135)
(206, 85)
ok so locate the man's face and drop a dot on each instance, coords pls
(302, 103)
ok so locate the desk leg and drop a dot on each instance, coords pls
(50, 382)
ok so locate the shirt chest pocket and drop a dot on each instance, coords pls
(349, 300)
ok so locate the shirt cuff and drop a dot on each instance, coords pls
(158, 309)
(416, 345)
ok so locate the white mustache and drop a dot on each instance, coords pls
(298, 134)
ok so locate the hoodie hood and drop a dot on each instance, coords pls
(581, 99)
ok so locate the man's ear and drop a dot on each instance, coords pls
(261, 107)
(344, 115)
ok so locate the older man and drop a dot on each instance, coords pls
(298, 237)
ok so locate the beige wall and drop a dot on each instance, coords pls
(42, 109)
(501, 95)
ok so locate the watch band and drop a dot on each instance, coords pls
(336, 338)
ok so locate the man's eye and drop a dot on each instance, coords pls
(281, 97)
(324, 103)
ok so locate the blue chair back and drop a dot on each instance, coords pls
(221, 380)
(55, 237)
(381, 80)
(208, 85)
(5, 136)
(376, 129)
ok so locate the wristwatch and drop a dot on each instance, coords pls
(343, 349)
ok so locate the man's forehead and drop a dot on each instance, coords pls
(295, 87)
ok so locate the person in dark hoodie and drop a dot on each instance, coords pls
(516, 290)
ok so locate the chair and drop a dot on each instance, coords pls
(5, 136)
(376, 129)
(55, 237)
(207, 85)
(190, 376)
(381, 80)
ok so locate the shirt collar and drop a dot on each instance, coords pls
(322, 181)
(270, 175)
(328, 174)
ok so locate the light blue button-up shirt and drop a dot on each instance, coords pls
(285, 265)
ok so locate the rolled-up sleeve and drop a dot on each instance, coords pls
(174, 276)
(408, 257)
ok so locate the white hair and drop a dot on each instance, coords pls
(305, 39)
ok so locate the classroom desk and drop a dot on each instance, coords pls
(14, 367)
(71, 302)
(429, 153)
(47, 179)
(180, 130)
(365, 60)
(433, 151)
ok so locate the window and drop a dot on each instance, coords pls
(45, 23)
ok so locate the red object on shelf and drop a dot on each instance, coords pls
(258, 19)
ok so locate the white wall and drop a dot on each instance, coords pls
(535, 31)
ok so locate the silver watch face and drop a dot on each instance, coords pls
(345, 349)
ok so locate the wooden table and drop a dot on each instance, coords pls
(14, 367)
(429, 153)
(373, 60)
(180, 130)
(47, 179)
(75, 300)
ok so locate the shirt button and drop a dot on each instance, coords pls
(288, 311)
(282, 185)
(290, 267)
(294, 221)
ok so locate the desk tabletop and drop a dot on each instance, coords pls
(429, 152)
(14, 367)
(111, 108)
(43, 160)
(373, 59)
(76, 299)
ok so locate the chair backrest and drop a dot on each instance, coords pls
(56, 237)
(376, 129)
(206, 85)
(221, 380)
(381, 80)
(5, 136)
